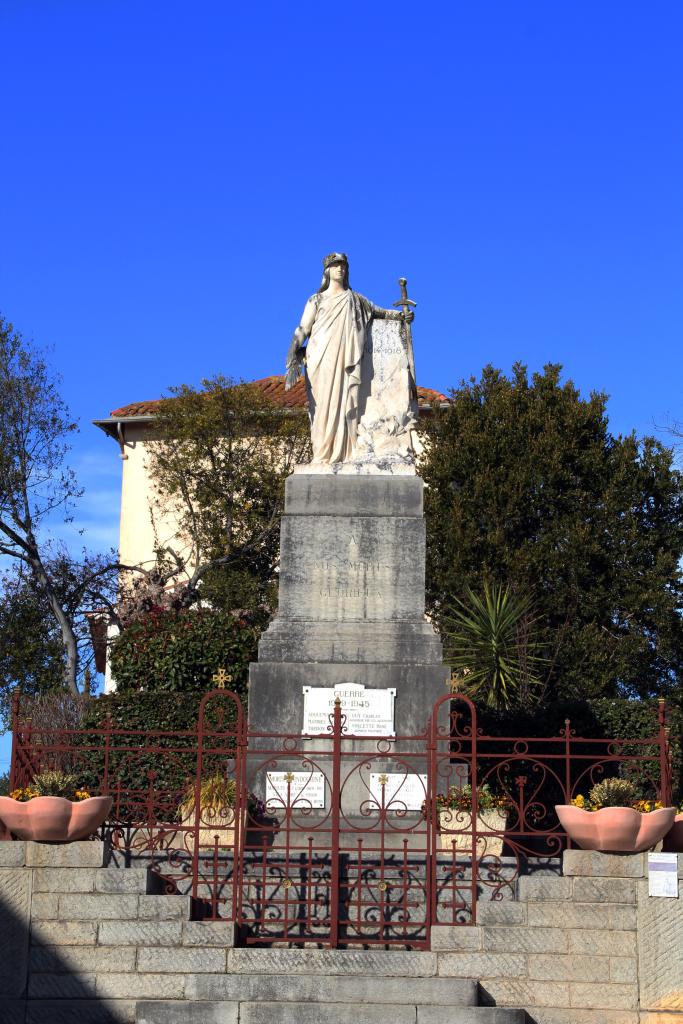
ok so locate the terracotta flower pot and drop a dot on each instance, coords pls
(615, 829)
(53, 818)
(455, 826)
(673, 840)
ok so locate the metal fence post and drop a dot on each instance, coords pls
(334, 844)
(665, 781)
(15, 742)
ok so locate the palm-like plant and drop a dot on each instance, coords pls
(491, 643)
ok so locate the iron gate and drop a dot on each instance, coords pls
(342, 840)
(335, 840)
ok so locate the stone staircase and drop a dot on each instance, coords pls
(87, 944)
(326, 987)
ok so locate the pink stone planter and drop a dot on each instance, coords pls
(615, 829)
(673, 840)
(53, 818)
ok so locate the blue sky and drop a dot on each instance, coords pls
(172, 175)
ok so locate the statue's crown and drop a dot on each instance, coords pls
(335, 257)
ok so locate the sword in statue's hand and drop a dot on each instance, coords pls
(407, 333)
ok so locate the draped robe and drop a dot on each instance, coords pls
(333, 360)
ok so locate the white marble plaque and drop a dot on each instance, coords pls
(402, 792)
(295, 789)
(368, 712)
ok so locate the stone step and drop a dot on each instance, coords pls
(96, 880)
(364, 962)
(133, 932)
(168, 1012)
(227, 988)
(87, 854)
(330, 989)
(505, 911)
(68, 1011)
(590, 864)
(115, 907)
(543, 888)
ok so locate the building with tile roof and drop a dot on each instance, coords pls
(272, 387)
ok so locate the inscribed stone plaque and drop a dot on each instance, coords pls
(367, 712)
(295, 789)
(387, 409)
(402, 791)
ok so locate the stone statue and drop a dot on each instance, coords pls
(330, 342)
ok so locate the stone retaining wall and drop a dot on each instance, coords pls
(590, 947)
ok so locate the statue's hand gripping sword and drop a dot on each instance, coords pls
(405, 303)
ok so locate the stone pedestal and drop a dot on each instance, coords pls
(351, 606)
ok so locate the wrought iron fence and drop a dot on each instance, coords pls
(332, 839)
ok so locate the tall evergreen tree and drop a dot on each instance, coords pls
(528, 487)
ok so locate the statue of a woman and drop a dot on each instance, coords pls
(329, 341)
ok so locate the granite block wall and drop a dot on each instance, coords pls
(590, 947)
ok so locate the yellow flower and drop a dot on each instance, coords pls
(579, 801)
(23, 794)
(646, 806)
(82, 794)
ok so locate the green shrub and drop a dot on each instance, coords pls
(168, 651)
(216, 797)
(613, 793)
(172, 719)
(55, 783)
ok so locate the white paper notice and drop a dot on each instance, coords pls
(662, 874)
(402, 792)
(295, 789)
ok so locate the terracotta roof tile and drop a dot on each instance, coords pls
(273, 388)
(137, 409)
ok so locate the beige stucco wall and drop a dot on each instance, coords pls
(144, 526)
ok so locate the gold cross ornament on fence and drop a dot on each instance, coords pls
(457, 682)
(221, 678)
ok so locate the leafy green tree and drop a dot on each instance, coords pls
(31, 651)
(219, 459)
(528, 487)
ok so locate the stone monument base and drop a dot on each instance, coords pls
(351, 606)
(276, 697)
